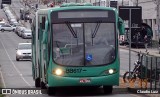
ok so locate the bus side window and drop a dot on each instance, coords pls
(40, 30)
(33, 33)
(38, 33)
(49, 41)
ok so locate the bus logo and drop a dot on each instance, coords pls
(89, 57)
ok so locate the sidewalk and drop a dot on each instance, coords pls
(151, 51)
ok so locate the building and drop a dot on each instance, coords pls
(149, 15)
(149, 11)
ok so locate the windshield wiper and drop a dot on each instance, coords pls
(71, 29)
(96, 29)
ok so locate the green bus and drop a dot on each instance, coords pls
(76, 45)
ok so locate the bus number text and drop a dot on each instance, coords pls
(73, 70)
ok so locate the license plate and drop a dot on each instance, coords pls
(85, 80)
(26, 55)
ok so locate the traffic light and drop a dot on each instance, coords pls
(6, 1)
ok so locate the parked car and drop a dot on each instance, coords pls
(2, 22)
(19, 30)
(6, 27)
(6, 8)
(26, 33)
(15, 23)
(23, 51)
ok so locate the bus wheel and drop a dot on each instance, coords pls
(43, 85)
(51, 91)
(37, 82)
(107, 89)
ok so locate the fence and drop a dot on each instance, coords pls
(150, 70)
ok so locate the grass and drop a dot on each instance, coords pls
(2, 95)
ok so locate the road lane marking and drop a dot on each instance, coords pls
(15, 66)
(3, 79)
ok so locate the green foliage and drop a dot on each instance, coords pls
(1, 86)
(1, 95)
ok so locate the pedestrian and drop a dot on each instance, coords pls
(146, 42)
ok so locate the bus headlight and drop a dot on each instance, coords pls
(110, 71)
(58, 72)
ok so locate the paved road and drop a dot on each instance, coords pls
(124, 60)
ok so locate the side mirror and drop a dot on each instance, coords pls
(121, 26)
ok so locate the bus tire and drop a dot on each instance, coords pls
(51, 91)
(43, 85)
(107, 89)
(37, 82)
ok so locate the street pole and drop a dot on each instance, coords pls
(158, 2)
(130, 43)
(122, 2)
(137, 3)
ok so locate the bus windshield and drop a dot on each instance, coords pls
(84, 44)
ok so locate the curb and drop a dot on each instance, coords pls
(128, 49)
(152, 53)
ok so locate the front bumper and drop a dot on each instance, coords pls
(27, 36)
(60, 81)
(23, 56)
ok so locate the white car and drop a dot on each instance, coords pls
(15, 23)
(6, 27)
(2, 22)
(19, 32)
(26, 33)
(23, 51)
